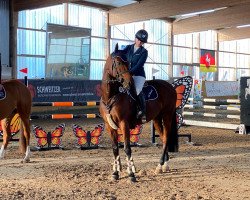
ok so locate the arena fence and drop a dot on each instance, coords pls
(226, 105)
(65, 104)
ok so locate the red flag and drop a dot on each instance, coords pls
(24, 70)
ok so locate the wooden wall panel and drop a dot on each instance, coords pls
(155, 9)
(230, 17)
(234, 34)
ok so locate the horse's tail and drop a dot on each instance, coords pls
(173, 144)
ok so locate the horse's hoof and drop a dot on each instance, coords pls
(165, 168)
(25, 161)
(115, 177)
(158, 170)
(132, 179)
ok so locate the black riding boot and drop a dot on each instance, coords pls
(142, 107)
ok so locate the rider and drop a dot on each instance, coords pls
(137, 56)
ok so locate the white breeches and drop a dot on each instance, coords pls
(139, 82)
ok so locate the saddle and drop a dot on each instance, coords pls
(2, 92)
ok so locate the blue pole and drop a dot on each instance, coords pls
(0, 67)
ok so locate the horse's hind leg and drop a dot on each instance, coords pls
(5, 123)
(25, 138)
(162, 128)
(131, 167)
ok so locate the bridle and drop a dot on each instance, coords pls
(119, 75)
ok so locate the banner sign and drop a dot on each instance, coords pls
(197, 86)
(222, 88)
(207, 61)
(65, 90)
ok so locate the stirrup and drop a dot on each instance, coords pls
(139, 114)
(142, 116)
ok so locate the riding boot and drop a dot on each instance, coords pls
(142, 107)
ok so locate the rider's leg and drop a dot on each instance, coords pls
(139, 82)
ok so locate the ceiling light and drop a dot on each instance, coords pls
(203, 12)
(197, 13)
(243, 26)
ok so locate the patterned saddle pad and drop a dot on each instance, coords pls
(150, 92)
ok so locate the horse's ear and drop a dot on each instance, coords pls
(116, 48)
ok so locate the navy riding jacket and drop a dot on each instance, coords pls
(136, 60)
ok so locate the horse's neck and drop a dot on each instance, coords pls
(109, 86)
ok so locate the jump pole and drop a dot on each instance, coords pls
(211, 124)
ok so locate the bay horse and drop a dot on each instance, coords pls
(118, 109)
(17, 100)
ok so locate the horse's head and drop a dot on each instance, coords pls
(120, 68)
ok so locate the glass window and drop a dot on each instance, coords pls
(226, 74)
(227, 59)
(157, 53)
(32, 43)
(184, 70)
(208, 40)
(157, 47)
(182, 55)
(68, 51)
(243, 61)
(96, 69)
(38, 18)
(98, 48)
(242, 72)
(185, 40)
(243, 46)
(227, 46)
(35, 65)
(157, 71)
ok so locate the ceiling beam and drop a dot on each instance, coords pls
(20, 5)
(233, 34)
(95, 5)
(34, 4)
(226, 18)
(155, 9)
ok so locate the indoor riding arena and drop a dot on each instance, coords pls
(69, 107)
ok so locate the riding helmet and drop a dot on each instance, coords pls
(142, 35)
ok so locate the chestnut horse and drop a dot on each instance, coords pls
(118, 109)
(17, 100)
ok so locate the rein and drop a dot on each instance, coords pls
(113, 75)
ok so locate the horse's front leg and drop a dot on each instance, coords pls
(6, 136)
(131, 167)
(117, 162)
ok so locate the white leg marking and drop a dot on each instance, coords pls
(27, 155)
(2, 152)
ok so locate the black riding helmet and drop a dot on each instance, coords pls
(142, 35)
